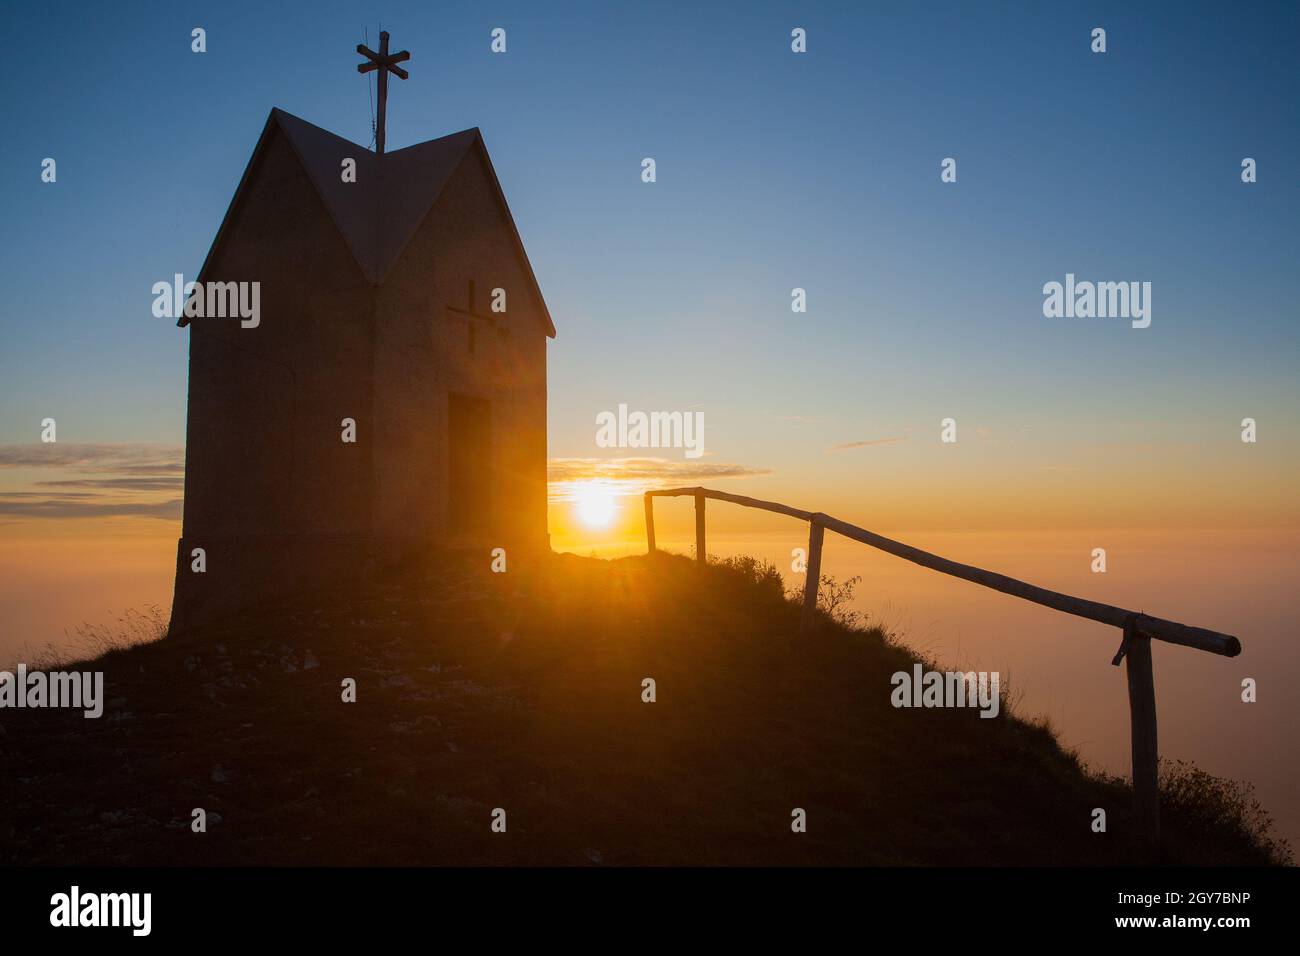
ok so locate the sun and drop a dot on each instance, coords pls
(595, 503)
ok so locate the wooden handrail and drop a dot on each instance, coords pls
(1138, 628)
(1157, 627)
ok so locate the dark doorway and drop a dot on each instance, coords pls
(469, 498)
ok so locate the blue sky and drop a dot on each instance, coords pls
(775, 170)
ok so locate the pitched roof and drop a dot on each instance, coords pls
(395, 192)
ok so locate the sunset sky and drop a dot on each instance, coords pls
(775, 171)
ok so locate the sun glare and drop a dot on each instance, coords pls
(595, 503)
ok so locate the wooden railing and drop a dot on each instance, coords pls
(1135, 648)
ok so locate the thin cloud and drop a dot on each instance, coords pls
(132, 458)
(118, 484)
(44, 495)
(158, 468)
(138, 479)
(75, 506)
(639, 474)
(867, 444)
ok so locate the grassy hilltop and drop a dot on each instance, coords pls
(523, 691)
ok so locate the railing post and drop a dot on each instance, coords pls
(815, 534)
(649, 523)
(1142, 719)
(701, 555)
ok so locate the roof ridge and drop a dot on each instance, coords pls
(397, 191)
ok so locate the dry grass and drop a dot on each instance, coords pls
(88, 642)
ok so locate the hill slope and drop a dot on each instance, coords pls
(472, 695)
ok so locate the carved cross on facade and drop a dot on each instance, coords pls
(473, 307)
(385, 63)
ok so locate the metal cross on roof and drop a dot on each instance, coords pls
(384, 62)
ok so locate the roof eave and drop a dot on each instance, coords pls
(258, 150)
(514, 233)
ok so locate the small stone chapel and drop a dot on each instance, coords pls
(390, 402)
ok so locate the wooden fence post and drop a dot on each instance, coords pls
(649, 523)
(701, 555)
(1142, 720)
(1139, 629)
(815, 535)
